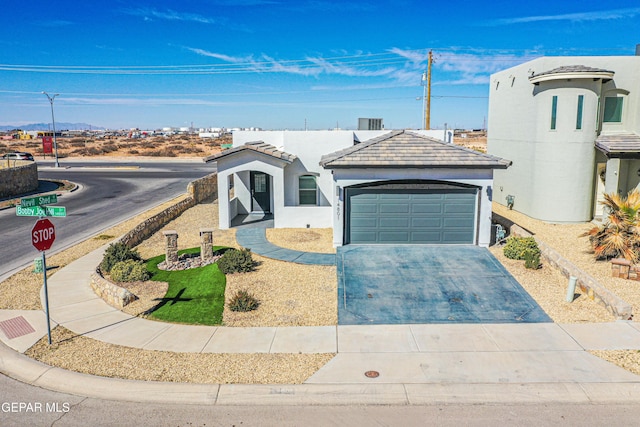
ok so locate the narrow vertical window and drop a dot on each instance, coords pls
(554, 112)
(307, 190)
(579, 114)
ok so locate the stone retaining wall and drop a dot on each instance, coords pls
(19, 178)
(587, 283)
(149, 227)
(113, 294)
(204, 188)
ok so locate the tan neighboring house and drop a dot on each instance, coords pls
(571, 126)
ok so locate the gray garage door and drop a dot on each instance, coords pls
(411, 216)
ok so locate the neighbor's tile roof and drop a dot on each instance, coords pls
(619, 145)
(257, 146)
(572, 69)
(404, 149)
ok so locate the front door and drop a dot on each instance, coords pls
(260, 195)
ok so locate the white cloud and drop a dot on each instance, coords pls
(603, 15)
(169, 15)
(394, 68)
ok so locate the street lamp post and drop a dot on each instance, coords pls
(53, 122)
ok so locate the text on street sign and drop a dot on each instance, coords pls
(55, 211)
(39, 201)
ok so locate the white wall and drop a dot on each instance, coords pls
(240, 164)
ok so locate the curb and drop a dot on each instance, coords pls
(32, 372)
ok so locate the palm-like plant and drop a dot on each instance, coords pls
(619, 235)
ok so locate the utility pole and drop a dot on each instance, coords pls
(427, 114)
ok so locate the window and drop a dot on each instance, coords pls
(612, 109)
(554, 112)
(308, 190)
(579, 114)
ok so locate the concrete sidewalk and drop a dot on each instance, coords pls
(416, 364)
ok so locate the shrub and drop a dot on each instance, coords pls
(517, 246)
(619, 234)
(532, 259)
(129, 271)
(243, 301)
(235, 260)
(116, 253)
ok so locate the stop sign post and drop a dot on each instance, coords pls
(43, 234)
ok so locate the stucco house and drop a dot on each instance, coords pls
(571, 126)
(371, 187)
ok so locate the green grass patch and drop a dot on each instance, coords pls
(194, 296)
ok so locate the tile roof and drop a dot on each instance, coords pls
(619, 145)
(257, 146)
(573, 69)
(404, 149)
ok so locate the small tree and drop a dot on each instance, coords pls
(619, 235)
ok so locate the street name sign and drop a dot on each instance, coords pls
(39, 201)
(55, 211)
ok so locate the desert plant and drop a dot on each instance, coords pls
(235, 260)
(243, 301)
(115, 253)
(516, 247)
(532, 259)
(619, 234)
(129, 271)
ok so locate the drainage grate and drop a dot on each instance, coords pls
(16, 327)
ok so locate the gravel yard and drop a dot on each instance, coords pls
(98, 358)
(290, 294)
(565, 239)
(549, 293)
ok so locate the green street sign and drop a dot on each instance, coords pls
(56, 211)
(39, 201)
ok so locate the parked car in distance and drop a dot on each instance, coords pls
(21, 155)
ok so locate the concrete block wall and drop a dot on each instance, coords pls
(18, 177)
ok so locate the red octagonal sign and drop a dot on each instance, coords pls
(43, 234)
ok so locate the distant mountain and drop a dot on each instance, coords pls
(47, 126)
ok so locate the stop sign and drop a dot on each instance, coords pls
(43, 234)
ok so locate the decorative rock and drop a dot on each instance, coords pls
(187, 261)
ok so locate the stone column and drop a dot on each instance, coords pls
(206, 243)
(171, 245)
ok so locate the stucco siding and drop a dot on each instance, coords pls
(552, 175)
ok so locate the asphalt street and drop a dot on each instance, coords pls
(108, 193)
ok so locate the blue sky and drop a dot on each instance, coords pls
(279, 64)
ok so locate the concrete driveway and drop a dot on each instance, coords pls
(397, 284)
